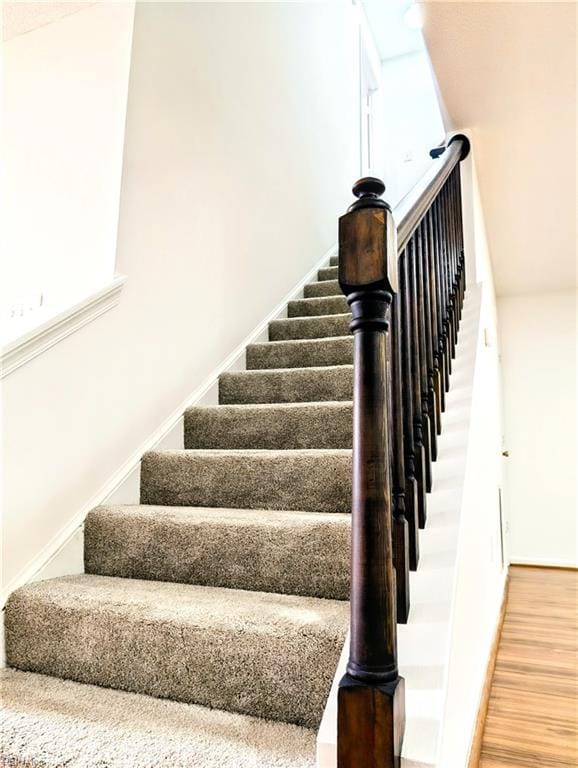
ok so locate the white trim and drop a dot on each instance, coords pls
(45, 336)
(544, 562)
(126, 473)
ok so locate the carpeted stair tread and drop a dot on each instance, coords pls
(287, 385)
(322, 288)
(50, 723)
(328, 273)
(297, 553)
(308, 480)
(272, 426)
(315, 327)
(255, 653)
(322, 305)
(303, 353)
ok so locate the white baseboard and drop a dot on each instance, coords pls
(123, 487)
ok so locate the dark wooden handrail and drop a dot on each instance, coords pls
(411, 209)
(403, 275)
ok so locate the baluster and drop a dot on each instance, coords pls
(446, 303)
(458, 204)
(454, 258)
(400, 533)
(434, 412)
(449, 250)
(371, 693)
(421, 462)
(461, 231)
(433, 352)
(422, 310)
(414, 496)
(439, 305)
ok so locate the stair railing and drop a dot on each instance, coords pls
(403, 275)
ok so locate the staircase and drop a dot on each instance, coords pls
(210, 620)
(226, 589)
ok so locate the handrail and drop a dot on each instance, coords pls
(411, 209)
(403, 275)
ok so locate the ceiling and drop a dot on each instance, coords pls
(507, 70)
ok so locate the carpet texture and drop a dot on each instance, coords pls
(261, 550)
(208, 625)
(328, 273)
(324, 305)
(301, 353)
(291, 385)
(324, 288)
(256, 653)
(311, 480)
(50, 723)
(272, 426)
(316, 327)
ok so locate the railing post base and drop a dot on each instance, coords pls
(370, 723)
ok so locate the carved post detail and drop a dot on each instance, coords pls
(371, 694)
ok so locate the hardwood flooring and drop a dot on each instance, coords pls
(533, 709)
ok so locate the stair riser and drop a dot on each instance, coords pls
(333, 261)
(328, 273)
(326, 305)
(323, 288)
(320, 483)
(139, 652)
(257, 556)
(289, 386)
(309, 327)
(273, 428)
(305, 354)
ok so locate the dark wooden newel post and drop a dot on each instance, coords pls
(371, 694)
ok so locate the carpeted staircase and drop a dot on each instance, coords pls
(219, 603)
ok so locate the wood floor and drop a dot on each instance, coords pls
(533, 708)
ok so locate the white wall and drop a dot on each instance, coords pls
(538, 341)
(242, 141)
(508, 71)
(483, 548)
(412, 121)
(64, 106)
(482, 555)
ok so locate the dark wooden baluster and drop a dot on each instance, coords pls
(461, 235)
(371, 694)
(439, 304)
(453, 260)
(434, 388)
(414, 498)
(421, 458)
(428, 412)
(449, 263)
(460, 239)
(427, 247)
(400, 533)
(445, 286)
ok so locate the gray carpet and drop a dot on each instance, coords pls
(301, 353)
(293, 553)
(315, 327)
(208, 625)
(257, 653)
(287, 385)
(272, 426)
(50, 723)
(310, 480)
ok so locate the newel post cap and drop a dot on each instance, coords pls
(368, 240)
